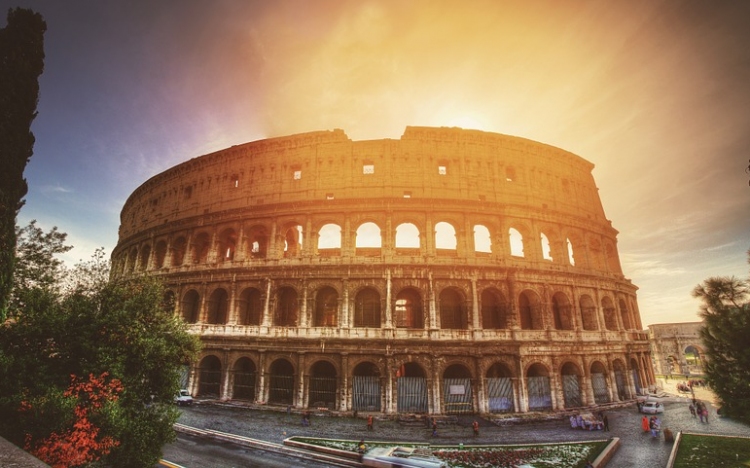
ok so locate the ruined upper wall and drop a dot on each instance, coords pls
(426, 163)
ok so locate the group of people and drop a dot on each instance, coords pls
(652, 424)
(699, 409)
(590, 422)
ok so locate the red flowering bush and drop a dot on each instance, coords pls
(80, 443)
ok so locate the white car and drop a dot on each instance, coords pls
(398, 457)
(652, 407)
(183, 398)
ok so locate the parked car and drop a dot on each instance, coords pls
(183, 398)
(398, 457)
(652, 407)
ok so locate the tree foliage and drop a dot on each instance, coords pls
(21, 63)
(726, 328)
(84, 329)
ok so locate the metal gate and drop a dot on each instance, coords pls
(637, 382)
(500, 395)
(210, 383)
(601, 392)
(540, 395)
(281, 389)
(620, 382)
(323, 392)
(244, 386)
(412, 395)
(365, 393)
(457, 396)
(572, 391)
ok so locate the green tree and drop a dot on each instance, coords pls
(89, 327)
(21, 63)
(726, 327)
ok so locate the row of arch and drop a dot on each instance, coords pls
(410, 307)
(409, 387)
(230, 244)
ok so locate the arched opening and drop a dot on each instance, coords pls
(201, 247)
(571, 258)
(516, 243)
(562, 312)
(366, 387)
(627, 323)
(408, 310)
(367, 309)
(281, 383)
(227, 245)
(329, 237)
(168, 302)
(159, 254)
(244, 379)
(692, 356)
(323, 385)
(286, 308)
(133, 259)
(529, 309)
(538, 387)
(588, 313)
(599, 383)
(250, 307)
(457, 398)
(217, 307)
(494, 310)
(499, 383)
(636, 369)
(144, 257)
(620, 382)
(368, 236)
(326, 307)
(209, 380)
(482, 239)
(258, 242)
(571, 385)
(191, 306)
(452, 310)
(546, 248)
(610, 314)
(293, 242)
(179, 247)
(411, 387)
(407, 236)
(445, 236)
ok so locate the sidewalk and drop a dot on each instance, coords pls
(636, 449)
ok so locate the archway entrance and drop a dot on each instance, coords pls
(599, 383)
(571, 386)
(412, 389)
(210, 377)
(540, 392)
(457, 398)
(366, 387)
(323, 386)
(500, 389)
(244, 380)
(622, 388)
(281, 383)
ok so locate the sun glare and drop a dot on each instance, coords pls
(467, 122)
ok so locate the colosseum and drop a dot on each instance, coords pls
(449, 271)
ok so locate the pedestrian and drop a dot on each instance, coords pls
(699, 410)
(645, 424)
(705, 413)
(361, 448)
(306, 418)
(434, 427)
(692, 409)
(605, 422)
(369, 422)
(475, 426)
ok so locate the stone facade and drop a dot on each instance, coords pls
(449, 271)
(677, 348)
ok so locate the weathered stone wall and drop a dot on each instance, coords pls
(313, 261)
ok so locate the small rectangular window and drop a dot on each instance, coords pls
(298, 174)
(442, 170)
(407, 194)
(329, 196)
(368, 169)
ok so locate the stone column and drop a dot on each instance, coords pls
(389, 407)
(226, 380)
(262, 394)
(345, 397)
(232, 312)
(300, 401)
(304, 319)
(474, 317)
(265, 322)
(344, 308)
(433, 321)
(435, 387)
(388, 300)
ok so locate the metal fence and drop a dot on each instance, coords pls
(500, 395)
(365, 393)
(323, 392)
(281, 389)
(599, 384)
(540, 395)
(244, 386)
(572, 391)
(457, 396)
(412, 395)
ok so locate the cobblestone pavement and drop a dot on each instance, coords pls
(637, 449)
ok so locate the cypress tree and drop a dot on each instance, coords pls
(21, 63)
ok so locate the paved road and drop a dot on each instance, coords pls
(637, 449)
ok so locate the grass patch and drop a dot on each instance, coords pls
(570, 455)
(700, 451)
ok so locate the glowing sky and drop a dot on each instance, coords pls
(655, 93)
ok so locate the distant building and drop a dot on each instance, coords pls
(448, 271)
(676, 348)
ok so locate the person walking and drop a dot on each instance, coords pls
(645, 424)
(369, 422)
(692, 410)
(475, 426)
(434, 427)
(605, 422)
